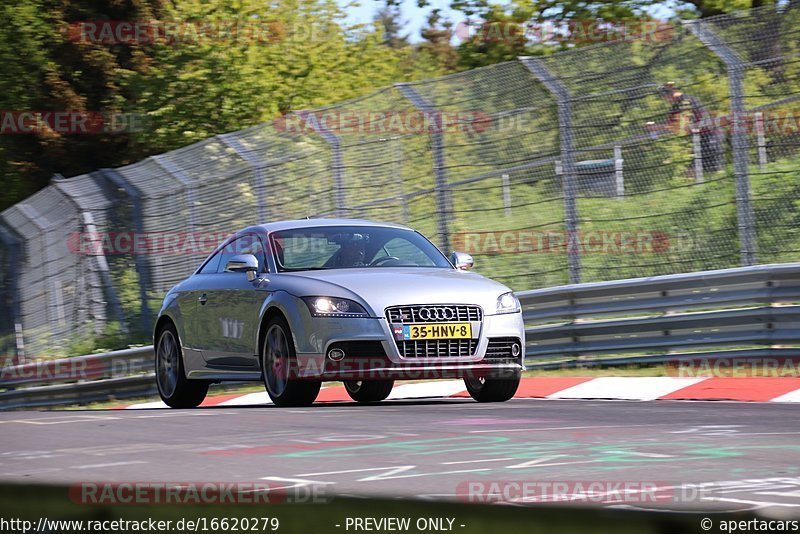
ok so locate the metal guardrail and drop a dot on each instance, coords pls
(79, 380)
(747, 312)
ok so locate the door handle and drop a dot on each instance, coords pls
(203, 299)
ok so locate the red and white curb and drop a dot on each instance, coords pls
(756, 389)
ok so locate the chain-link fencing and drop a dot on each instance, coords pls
(671, 153)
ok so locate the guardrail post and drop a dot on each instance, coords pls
(337, 166)
(12, 245)
(258, 165)
(735, 67)
(567, 164)
(142, 268)
(433, 118)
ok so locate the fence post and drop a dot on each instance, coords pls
(102, 267)
(762, 141)
(567, 163)
(337, 166)
(101, 264)
(398, 171)
(47, 280)
(12, 245)
(697, 149)
(262, 211)
(618, 172)
(142, 268)
(437, 149)
(735, 67)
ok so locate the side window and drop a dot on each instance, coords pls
(247, 244)
(211, 266)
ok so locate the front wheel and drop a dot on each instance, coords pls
(278, 363)
(174, 388)
(492, 389)
(368, 390)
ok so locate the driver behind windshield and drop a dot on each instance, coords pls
(352, 252)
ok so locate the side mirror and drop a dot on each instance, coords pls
(462, 261)
(243, 263)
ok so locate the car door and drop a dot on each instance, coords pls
(230, 312)
(191, 298)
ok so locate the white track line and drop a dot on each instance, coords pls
(99, 466)
(421, 390)
(147, 406)
(260, 397)
(792, 396)
(627, 388)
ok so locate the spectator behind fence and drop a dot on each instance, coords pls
(688, 110)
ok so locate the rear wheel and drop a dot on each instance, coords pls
(278, 363)
(175, 389)
(368, 390)
(492, 389)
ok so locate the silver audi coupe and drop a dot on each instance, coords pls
(298, 303)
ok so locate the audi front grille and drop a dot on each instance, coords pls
(411, 314)
(439, 313)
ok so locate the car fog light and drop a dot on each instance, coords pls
(336, 354)
(515, 349)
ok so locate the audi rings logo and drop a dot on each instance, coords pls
(437, 314)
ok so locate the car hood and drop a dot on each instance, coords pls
(381, 287)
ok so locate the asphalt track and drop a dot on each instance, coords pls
(715, 456)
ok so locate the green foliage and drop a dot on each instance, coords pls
(111, 338)
(187, 90)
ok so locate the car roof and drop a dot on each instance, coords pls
(315, 223)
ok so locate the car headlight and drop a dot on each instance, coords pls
(507, 303)
(334, 307)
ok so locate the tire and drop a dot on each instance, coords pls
(174, 388)
(492, 389)
(278, 360)
(368, 390)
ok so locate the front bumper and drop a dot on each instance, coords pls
(386, 362)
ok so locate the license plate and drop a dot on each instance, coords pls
(437, 331)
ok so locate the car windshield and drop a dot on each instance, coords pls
(343, 247)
